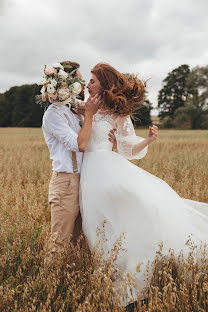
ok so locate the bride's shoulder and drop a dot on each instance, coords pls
(122, 118)
(103, 115)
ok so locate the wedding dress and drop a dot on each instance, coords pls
(132, 201)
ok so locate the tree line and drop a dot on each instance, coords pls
(18, 107)
(182, 102)
(183, 99)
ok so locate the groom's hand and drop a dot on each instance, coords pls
(93, 104)
(81, 108)
(112, 138)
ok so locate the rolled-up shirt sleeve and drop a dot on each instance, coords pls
(61, 130)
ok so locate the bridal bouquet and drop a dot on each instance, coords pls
(58, 85)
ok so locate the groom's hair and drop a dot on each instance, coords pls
(69, 69)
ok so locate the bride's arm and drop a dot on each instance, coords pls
(91, 107)
(129, 144)
(152, 136)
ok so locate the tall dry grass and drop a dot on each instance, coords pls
(79, 281)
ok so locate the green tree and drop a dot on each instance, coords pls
(18, 107)
(197, 83)
(190, 117)
(142, 116)
(194, 114)
(174, 92)
(4, 113)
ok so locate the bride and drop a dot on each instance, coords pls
(132, 201)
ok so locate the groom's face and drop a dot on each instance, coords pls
(79, 75)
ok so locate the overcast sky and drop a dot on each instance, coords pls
(148, 37)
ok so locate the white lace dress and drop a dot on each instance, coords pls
(132, 201)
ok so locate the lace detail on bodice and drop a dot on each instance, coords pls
(104, 117)
(125, 135)
(127, 126)
(101, 126)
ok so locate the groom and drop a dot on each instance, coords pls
(66, 141)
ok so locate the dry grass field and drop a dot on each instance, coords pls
(73, 284)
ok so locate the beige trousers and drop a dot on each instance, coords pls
(65, 217)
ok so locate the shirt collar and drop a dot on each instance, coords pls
(63, 104)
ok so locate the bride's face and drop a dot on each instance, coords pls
(94, 86)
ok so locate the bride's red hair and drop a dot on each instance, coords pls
(121, 93)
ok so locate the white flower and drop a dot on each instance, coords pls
(41, 81)
(73, 98)
(62, 74)
(58, 65)
(50, 88)
(63, 93)
(50, 71)
(42, 89)
(53, 82)
(53, 95)
(76, 88)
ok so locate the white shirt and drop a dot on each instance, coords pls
(61, 137)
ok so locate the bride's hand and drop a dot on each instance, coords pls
(153, 133)
(93, 104)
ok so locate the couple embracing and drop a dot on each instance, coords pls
(90, 178)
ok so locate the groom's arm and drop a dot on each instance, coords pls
(91, 107)
(58, 126)
(112, 139)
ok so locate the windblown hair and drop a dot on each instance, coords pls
(121, 93)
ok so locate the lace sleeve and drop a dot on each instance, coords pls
(127, 138)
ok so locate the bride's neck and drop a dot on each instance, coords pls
(104, 110)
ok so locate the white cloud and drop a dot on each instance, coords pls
(149, 37)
